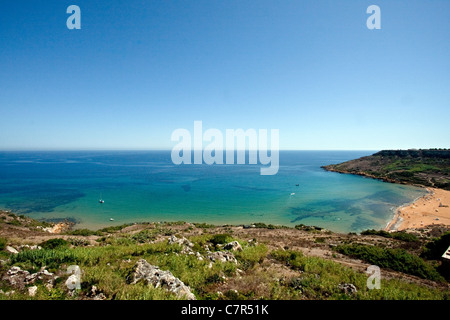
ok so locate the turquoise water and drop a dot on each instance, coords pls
(146, 186)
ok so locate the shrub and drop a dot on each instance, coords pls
(398, 235)
(14, 223)
(120, 241)
(144, 236)
(374, 232)
(78, 242)
(395, 259)
(289, 257)
(84, 232)
(221, 238)
(435, 248)
(404, 236)
(302, 227)
(175, 223)
(167, 232)
(250, 256)
(204, 225)
(3, 243)
(54, 243)
(260, 225)
(114, 228)
(320, 279)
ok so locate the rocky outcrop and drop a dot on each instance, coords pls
(57, 228)
(96, 294)
(16, 277)
(186, 246)
(348, 288)
(181, 241)
(19, 279)
(11, 250)
(32, 291)
(17, 249)
(153, 275)
(28, 247)
(222, 257)
(233, 246)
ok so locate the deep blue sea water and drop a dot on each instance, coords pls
(142, 186)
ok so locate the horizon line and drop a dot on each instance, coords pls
(167, 149)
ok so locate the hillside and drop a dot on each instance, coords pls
(430, 168)
(178, 260)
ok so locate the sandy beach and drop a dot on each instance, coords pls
(433, 208)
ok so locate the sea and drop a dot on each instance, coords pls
(145, 186)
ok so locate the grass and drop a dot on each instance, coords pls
(410, 166)
(35, 259)
(260, 272)
(109, 268)
(320, 279)
(143, 292)
(145, 236)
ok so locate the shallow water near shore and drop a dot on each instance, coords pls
(144, 186)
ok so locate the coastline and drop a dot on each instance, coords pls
(431, 209)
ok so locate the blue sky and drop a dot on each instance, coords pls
(137, 70)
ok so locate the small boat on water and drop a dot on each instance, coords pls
(101, 199)
(292, 193)
(111, 219)
(297, 185)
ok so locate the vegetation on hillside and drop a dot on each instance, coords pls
(429, 167)
(395, 259)
(273, 263)
(399, 235)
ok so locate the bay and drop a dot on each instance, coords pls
(145, 186)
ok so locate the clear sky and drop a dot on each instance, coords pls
(137, 70)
